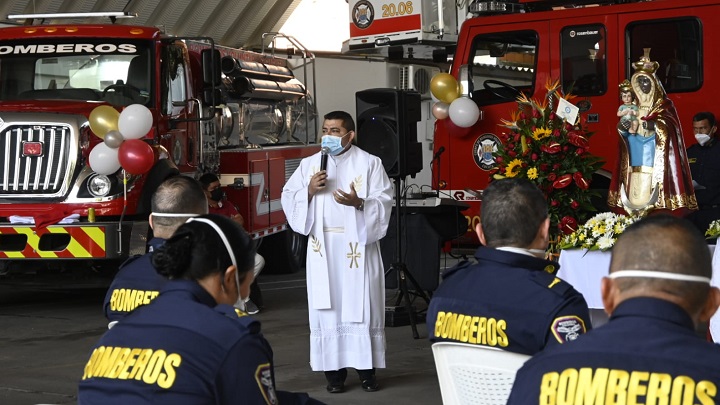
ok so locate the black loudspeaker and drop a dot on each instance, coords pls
(387, 128)
(422, 235)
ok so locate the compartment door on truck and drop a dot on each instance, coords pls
(180, 104)
(589, 63)
(502, 61)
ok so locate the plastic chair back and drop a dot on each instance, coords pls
(475, 375)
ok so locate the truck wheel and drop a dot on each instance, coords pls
(284, 252)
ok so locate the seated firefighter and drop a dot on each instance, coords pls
(657, 292)
(511, 299)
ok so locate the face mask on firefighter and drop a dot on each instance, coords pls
(217, 194)
(702, 138)
(333, 143)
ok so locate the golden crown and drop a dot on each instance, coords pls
(645, 64)
(625, 86)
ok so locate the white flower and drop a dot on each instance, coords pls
(605, 242)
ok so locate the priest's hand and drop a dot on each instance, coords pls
(317, 183)
(350, 199)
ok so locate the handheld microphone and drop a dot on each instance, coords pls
(324, 157)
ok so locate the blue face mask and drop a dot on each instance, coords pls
(333, 143)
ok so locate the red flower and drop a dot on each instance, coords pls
(498, 159)
(551, 177)
(579, 151)
(566, 148)
(534, 156)
(556, 133)
(556, 166)
(574, 205)
(536, 114)
(581, 181)
(552, 116)
(563, 181)
(512, 153)
(544, 167)
(551, 148)
(568, 225)
(554, 203)
(575, 138)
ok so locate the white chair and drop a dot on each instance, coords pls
(475, 375)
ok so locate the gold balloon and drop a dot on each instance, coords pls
(444, 87)
(104, 119)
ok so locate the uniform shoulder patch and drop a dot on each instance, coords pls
(551, 282)
(252, 325)
(568, 328)
(263, 377)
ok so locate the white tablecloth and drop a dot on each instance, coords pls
(584, 270)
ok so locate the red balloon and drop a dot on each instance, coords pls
(135, 156)
(455, 130)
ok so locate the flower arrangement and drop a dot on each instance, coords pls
(598, 233)
(713, 230)
(552, 153)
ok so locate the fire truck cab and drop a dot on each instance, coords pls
(508, 48)
(239, 114)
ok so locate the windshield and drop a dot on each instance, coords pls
(115, 71)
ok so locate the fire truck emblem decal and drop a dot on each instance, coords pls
(483, 149)
(363, 14)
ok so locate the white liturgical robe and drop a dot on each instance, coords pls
(345, 275)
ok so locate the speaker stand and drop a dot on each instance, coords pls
(402, 270)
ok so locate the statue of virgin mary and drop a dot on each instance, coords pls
(652, 171)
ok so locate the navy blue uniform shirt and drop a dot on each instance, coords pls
(704, 162)
(183, 348)
(647, 353)
(507, 300)
(136, 283)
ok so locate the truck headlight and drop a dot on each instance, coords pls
(99, 185)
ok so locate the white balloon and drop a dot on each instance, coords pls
(135, 121)
(104, 159)
(464, 112)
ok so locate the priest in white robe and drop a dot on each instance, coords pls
(345, 211)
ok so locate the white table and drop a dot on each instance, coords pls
(584, 269)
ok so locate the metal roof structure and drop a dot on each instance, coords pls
(235, 23)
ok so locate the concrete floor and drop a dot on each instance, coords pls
(409, 378)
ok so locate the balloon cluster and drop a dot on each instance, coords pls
(121, 133)
(462, 111)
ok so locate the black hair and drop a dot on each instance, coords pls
(705, 115)
(196, 250)
(207, 179)
(347, 121)
(667, 244)
(180, 195)
(512, 212)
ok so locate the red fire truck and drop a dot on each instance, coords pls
(508, 48)
(239, 114)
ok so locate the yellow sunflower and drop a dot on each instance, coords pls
(541, 133)
(532, 173)
(513, 168)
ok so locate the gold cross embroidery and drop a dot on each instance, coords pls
(316, 245)
(354, 255)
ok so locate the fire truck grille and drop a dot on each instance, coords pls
(34, 159)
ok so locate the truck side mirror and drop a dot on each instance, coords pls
(211, 67)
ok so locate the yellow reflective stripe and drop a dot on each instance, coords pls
(34, 241)
(96, 234)
(75, 248)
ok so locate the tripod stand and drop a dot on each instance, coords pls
(402, 271)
